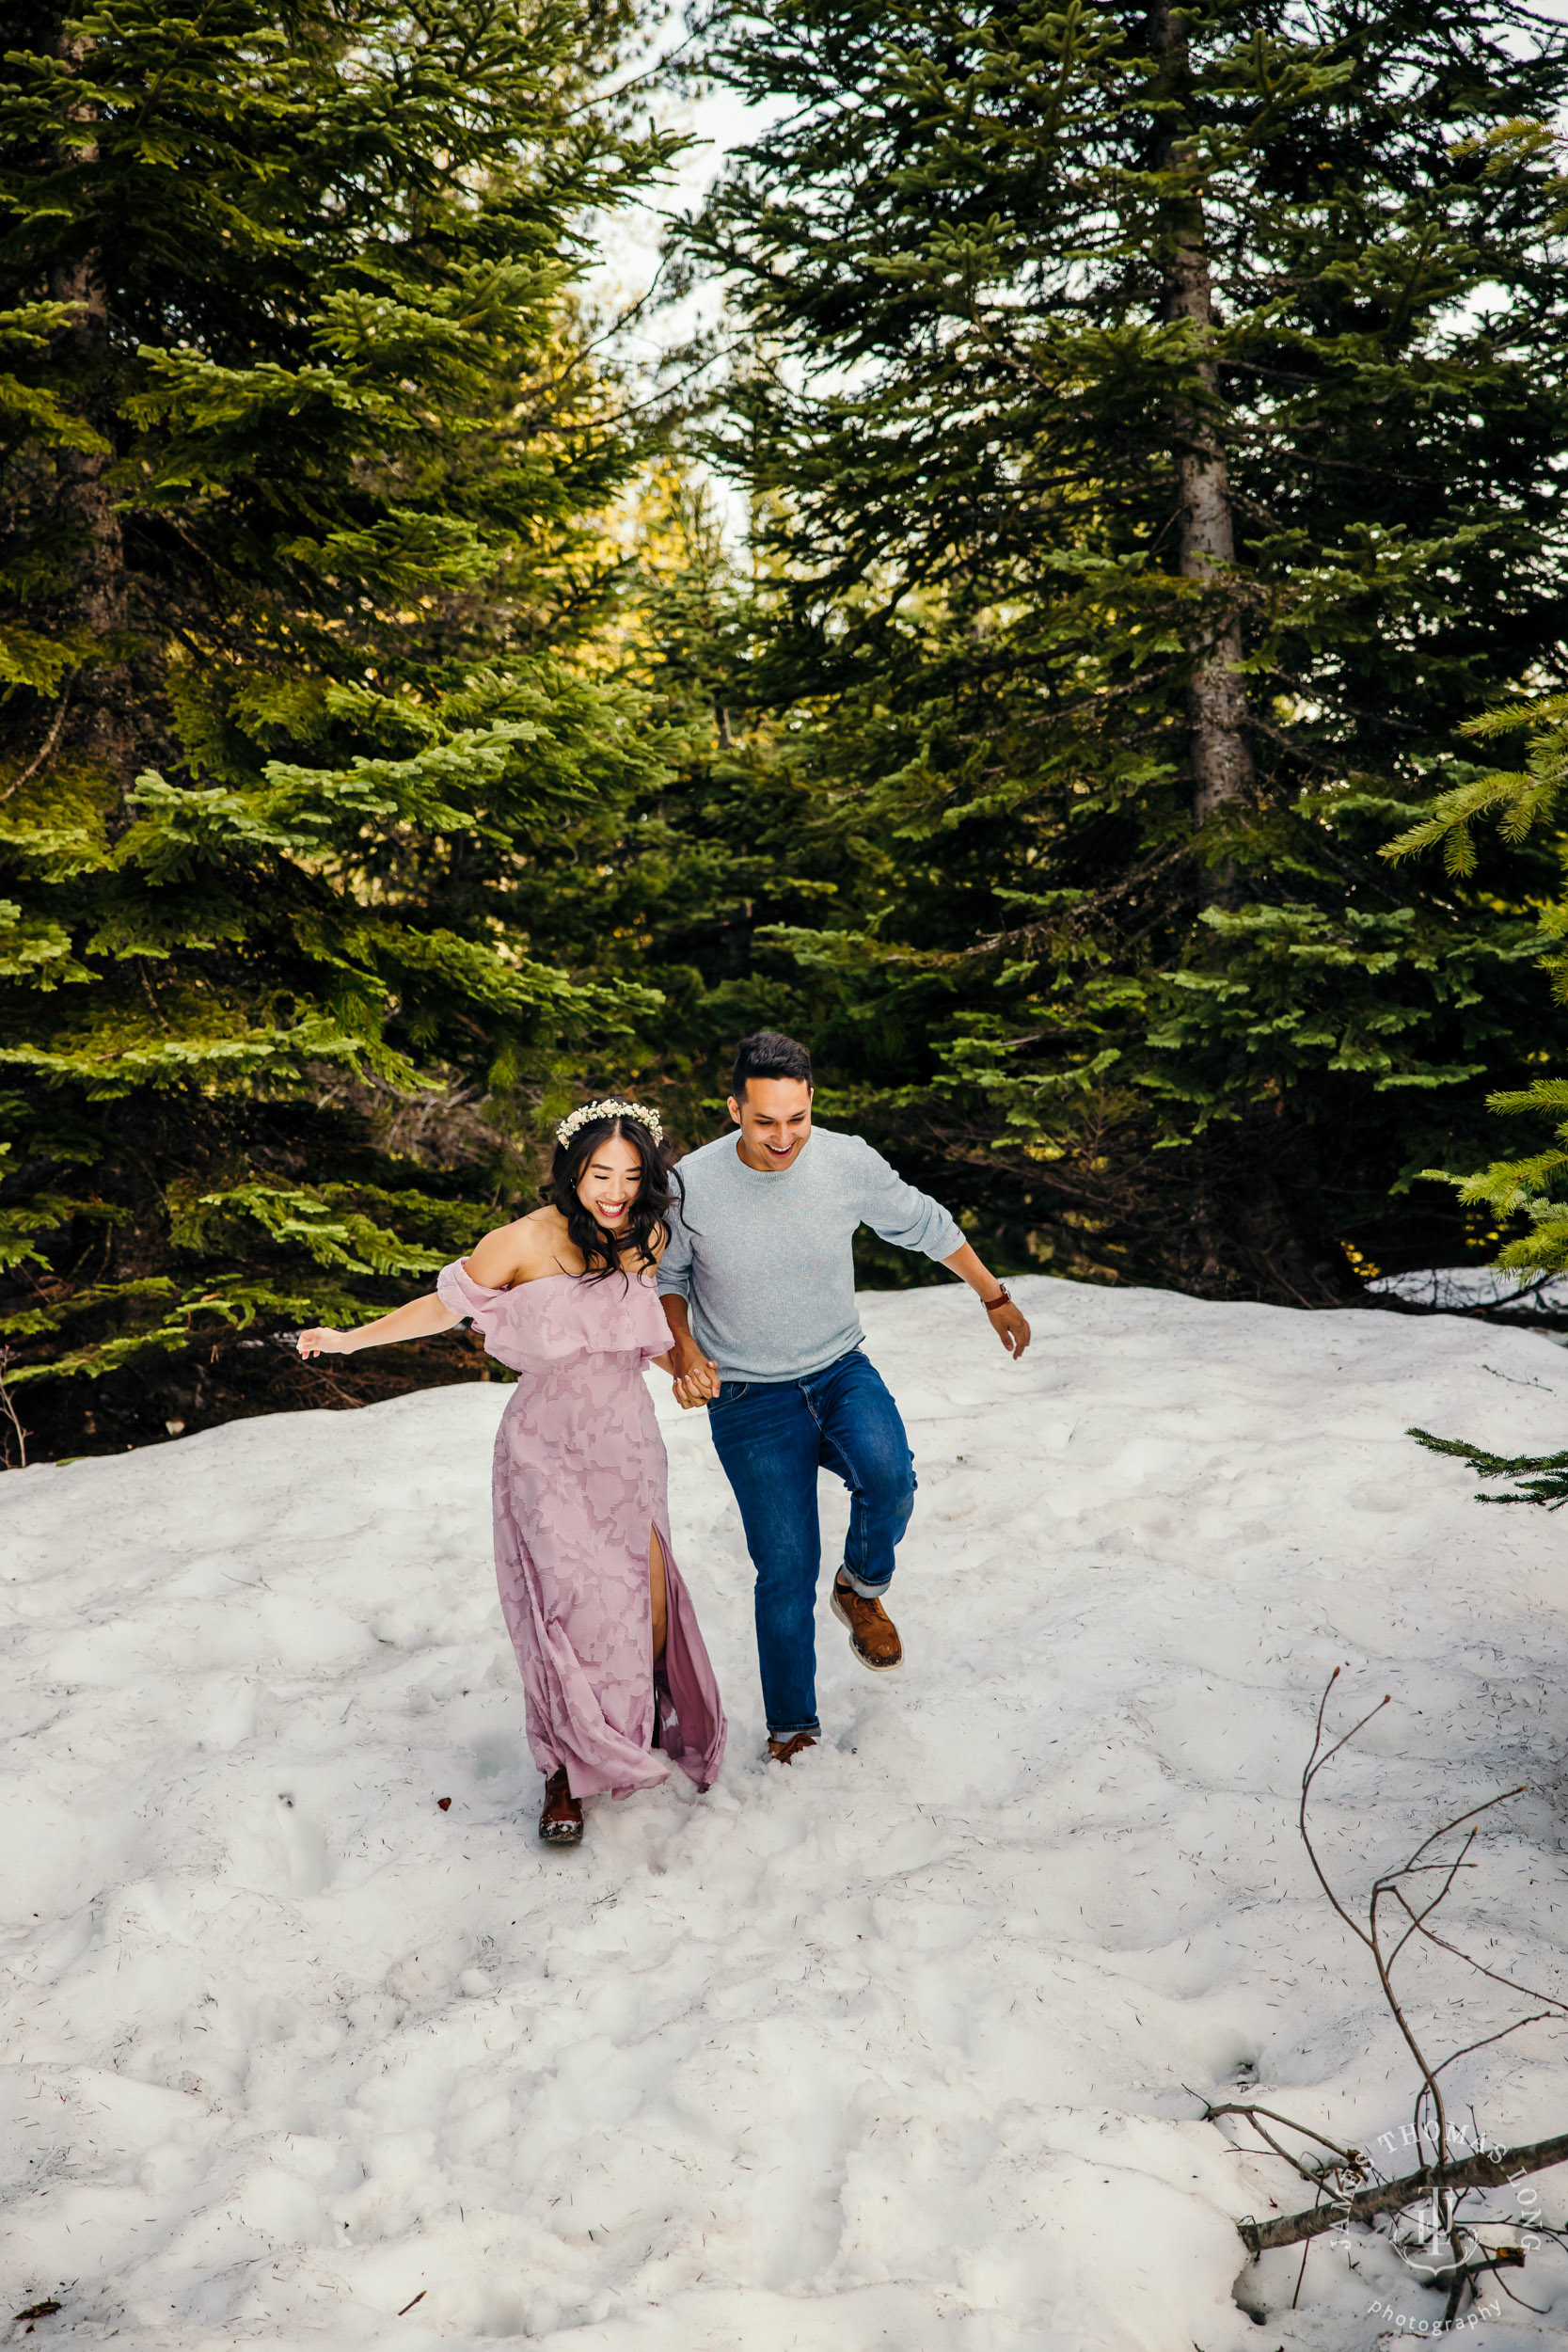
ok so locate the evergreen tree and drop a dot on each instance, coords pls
(1154, 419)
(302, 454)
(730, 843)
(1526, 1198)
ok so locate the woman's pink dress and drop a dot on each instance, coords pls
(579, 1479)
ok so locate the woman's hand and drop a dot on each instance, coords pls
(324, 1342)
(420, 1319)
(696, 1376)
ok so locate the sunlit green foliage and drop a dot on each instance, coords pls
(303, 461)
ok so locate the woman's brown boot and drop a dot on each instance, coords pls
(560, 1822)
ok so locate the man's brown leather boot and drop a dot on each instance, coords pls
(786, 1751)
(873, 1635)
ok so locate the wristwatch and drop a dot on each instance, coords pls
(1004, 1298)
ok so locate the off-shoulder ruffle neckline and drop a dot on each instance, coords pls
(510, 1290)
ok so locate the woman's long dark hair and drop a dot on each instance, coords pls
(649, 1221)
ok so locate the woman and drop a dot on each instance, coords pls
(612, 1661)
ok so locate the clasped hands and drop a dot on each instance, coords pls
(695, 1376)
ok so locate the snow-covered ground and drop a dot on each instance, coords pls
(902, 2048)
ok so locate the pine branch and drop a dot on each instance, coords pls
(1544, 1477)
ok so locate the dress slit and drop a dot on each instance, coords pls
(580, 1496)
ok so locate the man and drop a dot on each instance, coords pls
(758, 1284)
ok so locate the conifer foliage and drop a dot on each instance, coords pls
(1527, 1197)
(1540, 1477)
(1155, 421)
(301, 453)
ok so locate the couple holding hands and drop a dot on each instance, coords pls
(734, 1273)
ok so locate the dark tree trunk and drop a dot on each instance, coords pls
(1219, 747)
(95, 720)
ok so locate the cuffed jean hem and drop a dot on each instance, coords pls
(860, 1584)
(791, 1731)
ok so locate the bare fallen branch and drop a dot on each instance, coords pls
(1445, 2181)
(1348, 2159)
(1490, 2169)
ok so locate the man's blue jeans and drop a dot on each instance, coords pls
(771, 1436)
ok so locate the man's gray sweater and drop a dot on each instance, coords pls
(765, 1259)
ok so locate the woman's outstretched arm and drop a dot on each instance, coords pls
(419, 1320)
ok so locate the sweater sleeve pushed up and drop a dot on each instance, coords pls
(674, 1266)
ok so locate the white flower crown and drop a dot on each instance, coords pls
(611, 1108)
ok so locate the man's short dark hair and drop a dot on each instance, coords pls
(767, 1054)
